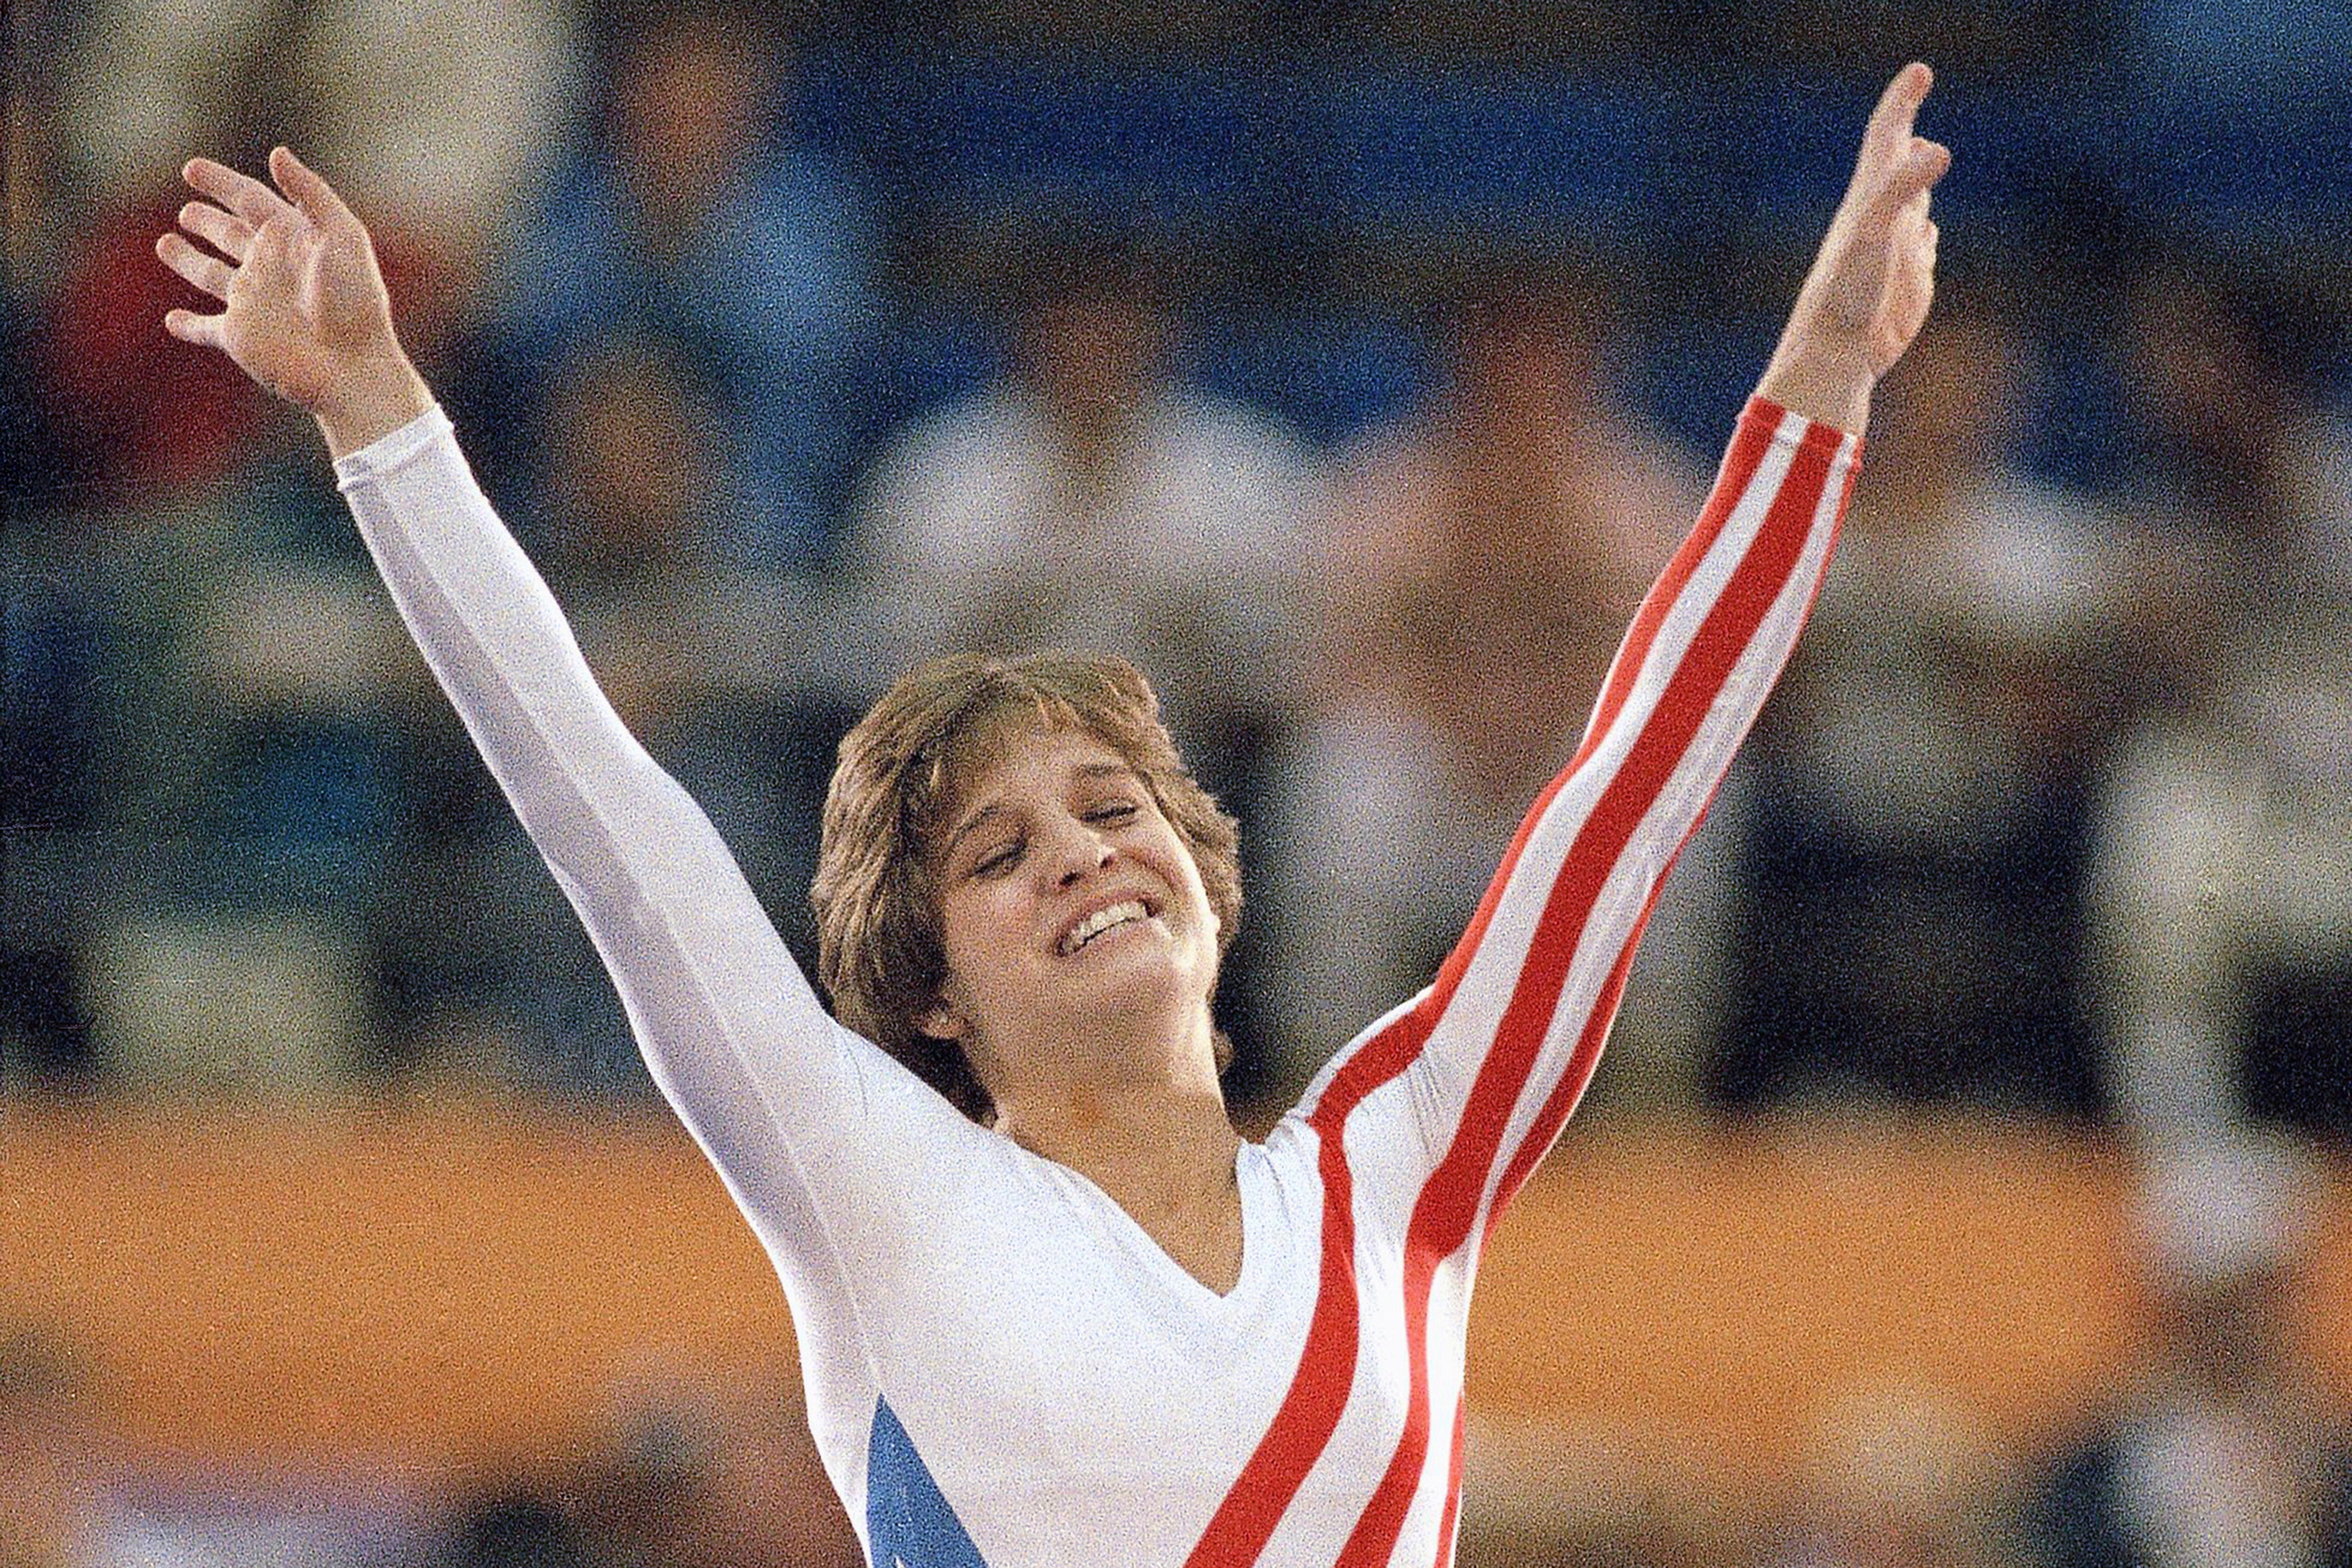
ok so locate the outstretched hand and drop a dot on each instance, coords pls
(304, 307)
(1868, 292)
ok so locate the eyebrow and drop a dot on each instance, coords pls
(1087, 771)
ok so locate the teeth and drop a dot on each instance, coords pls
(1100, 921)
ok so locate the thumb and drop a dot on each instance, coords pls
(307, 190)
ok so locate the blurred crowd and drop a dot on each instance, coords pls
(1351, 368)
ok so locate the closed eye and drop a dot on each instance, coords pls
(1112, 811)
(1000, 860)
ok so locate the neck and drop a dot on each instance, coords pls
(1155, 1148)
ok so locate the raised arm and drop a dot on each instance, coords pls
(731, 1030)
(1465, 1087)
(1871, 282)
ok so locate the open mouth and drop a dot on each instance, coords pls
(1111, 917)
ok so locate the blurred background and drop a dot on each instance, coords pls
(1964, 1183)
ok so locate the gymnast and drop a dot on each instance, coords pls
(1051, 1306)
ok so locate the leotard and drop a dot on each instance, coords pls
(1002, 1369)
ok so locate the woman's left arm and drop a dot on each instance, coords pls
(1484, 1066)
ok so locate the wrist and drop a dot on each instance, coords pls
(1823, 378)
(370, 402)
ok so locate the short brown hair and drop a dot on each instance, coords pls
(881, 955)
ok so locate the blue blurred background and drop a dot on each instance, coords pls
(1352, 366)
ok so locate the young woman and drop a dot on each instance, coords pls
(1062, 1310)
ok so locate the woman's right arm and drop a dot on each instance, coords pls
(731, 1028)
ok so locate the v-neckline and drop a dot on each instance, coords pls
(1130, 1232)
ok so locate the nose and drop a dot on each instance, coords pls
(1079, 852)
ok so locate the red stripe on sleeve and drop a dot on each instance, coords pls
(1562, 1104)
(1448, 1204)
(1581, 1064)
(1455, 1186)
(1750, 442)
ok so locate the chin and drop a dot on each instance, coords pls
(1151, 985)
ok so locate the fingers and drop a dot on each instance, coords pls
(1890, 188)
(1907, 163)
(200, 267)
(231, 236)
(1911, 179)
(190, 328)
(243, 195)
(1895, 165)
(1928, 162)
(317, 199)
(1898, 106)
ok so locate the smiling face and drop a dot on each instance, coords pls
(929, 758)
(1077, 935)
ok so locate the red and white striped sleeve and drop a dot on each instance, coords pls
(1428, 1122)
(1499, 1047)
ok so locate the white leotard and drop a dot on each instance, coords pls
(1002, 1369)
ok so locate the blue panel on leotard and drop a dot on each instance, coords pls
(907, 1522)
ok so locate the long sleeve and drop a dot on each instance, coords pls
(784, 1100)
(1482, 1070)
(1423, 1126)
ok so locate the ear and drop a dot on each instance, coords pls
(940, 1021)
